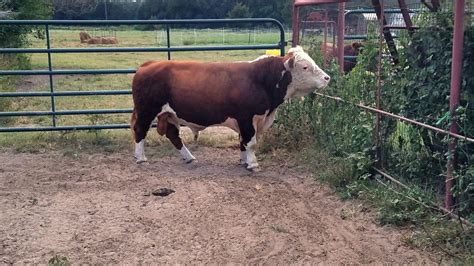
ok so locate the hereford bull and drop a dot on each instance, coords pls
(243, 96)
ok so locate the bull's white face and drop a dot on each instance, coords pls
(306, 75)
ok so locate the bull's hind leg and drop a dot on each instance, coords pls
(243, 152)
(140, 124)
(172, 133)
(248, 145)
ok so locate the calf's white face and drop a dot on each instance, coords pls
(306, 75)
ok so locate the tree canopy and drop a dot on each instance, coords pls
(173, 9)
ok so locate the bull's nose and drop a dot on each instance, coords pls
(327, 78)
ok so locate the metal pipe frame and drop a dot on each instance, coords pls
(52, 72)
(400, 118)
(455, 93)
(341, 24)
(386, 11)
(378, 120)
(296, 24)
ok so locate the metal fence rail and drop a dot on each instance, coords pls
(50, 72)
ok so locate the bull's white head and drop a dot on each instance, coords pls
(306, 75)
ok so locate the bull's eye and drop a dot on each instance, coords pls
(305, 68)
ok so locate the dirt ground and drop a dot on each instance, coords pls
(98, 209)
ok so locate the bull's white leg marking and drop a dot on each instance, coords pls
(187, 156)
(243, 154)
(243, 157)
(140, 151)
(251, 158)
(260, 124)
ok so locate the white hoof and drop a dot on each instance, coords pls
(253, 167)
(186, 155)
(142, 160)
(190, 160)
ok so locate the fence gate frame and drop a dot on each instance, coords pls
(50, 72)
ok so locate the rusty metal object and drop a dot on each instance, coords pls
(341, 22)
(406, 16)
(401, 118)
(456, 72)
(386, 32)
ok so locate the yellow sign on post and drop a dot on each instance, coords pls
(275, 52)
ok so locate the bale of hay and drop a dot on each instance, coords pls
(84, 36)
(102, 40)
(109, 40)
(94, 40)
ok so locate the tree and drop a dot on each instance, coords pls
(74, 9)
(151, 8)
(28, 9)
(239, 11)
(16, 36)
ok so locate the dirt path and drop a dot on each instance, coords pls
(98, 209)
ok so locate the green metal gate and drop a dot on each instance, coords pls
(52, 94)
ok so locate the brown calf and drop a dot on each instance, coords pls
(349, 50)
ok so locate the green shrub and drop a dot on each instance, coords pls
(418, 88)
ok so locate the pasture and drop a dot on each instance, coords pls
(81, 195)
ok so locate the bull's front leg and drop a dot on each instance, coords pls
(248, 145)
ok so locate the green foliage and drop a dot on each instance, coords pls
(421, 91)
(58, 260)
(239, 11)
(174, 9)
(418, 88)
(17, 36)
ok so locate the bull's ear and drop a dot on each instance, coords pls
(290, 63)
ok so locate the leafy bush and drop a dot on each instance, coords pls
(418, 88)
(421, 90)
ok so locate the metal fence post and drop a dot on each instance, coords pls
(341, 23)
(168, 41)
(296, 26)
(378, 148)
(456, 71)
(282, 42)
(50, 67)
